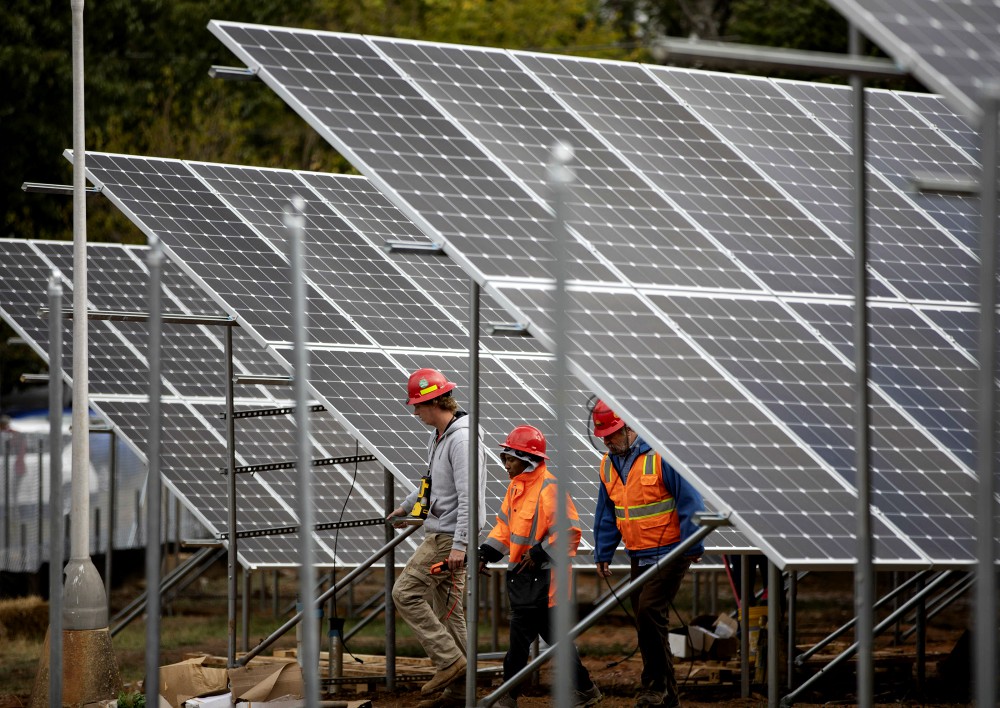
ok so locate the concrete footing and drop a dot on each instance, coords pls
(90, 669)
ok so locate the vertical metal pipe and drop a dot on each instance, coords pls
(112, 510)
(245, 611)
(713, 592)
(41, 502)
(276, 593)
(695, 592)
(745, 596)
(495, 611)
(921, 643)
(864, 592)
(773, 633)
(793, 593)
(390, 580)
(472, 551)
(84, 603)
(152, 682)
(295, 224)
(55, 490)
(231, 486)
(560, 177)
(8, 516)
(177, 532)
(986, 579)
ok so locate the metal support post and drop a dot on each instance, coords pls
(744, 626)
(245, 611)
(793, 591)
(560, 179)
(864, 573)
(153, 511)
(8, 516)
(495, 611)
(472, 550)
(986, 578)
(295, 225)
(112, 492)
(55, 489)
(41, 502)
(773, 633)
(231, 521)
(921, 645)
(389, 486)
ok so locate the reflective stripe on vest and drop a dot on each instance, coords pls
(529, 540)
(633, 519)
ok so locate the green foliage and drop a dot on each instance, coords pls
(133, 699)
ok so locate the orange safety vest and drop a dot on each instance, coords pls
(527, 517)
(645, 510)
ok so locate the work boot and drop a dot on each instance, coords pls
(584, 699)
(651, 697)
(506, 701)
(444, 676)
(450, 697)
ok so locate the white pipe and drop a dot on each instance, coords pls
(80, 509)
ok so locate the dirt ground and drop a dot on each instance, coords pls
(824, 603)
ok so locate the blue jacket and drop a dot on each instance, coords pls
(686, 497)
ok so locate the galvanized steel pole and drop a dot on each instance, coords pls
(864, 572)
(389, 484)
(472, 550)
(55, 490)
(560, 177)
(986, 579)
(295, 223)
(152, 682)
(231, 541)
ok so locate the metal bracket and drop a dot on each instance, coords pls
(322, 462)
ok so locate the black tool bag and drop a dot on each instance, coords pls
(528, 588)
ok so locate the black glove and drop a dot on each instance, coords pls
(488, 554)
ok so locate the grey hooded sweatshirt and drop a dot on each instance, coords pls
(448, 462)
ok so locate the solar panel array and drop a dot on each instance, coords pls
(373, 319)
(950, 45)
(710, 265)
(193, 436)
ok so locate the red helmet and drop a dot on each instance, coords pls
(606, 421)
(526, 438)
(425, 384)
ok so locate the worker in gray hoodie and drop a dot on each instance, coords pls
(432, 603)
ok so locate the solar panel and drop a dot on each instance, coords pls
(406, 326)
(912, 256)
(950, 45)
(193, 433)
(752, 182)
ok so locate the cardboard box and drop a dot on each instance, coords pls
(267, 681)
(726, 627)
(190, 679)
(679, 647)
(222, 700)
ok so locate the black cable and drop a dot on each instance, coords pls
(336, 540)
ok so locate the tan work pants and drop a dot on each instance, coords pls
(433, 605)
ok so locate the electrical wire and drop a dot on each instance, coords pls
(336, 540)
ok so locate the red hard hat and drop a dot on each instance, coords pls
(425, 384)
(606, 421)
(526, 438)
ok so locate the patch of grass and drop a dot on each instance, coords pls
(23, 617)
